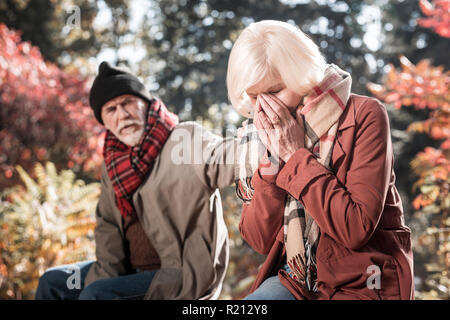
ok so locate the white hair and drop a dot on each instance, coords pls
(276, 50)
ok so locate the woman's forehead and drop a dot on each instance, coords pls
(264, 85)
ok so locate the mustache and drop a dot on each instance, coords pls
(126, 123)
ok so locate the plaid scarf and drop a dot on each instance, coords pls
(321, 112)
(127, 166)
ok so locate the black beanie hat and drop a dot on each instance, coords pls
(112, 82)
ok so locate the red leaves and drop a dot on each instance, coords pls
(437, 126)
(439, 16)
(445, 145)
(432, 156)
(45, 110)
(433, 168)
(421, 85)
(426, 7)
(421, 201)
(424, 86)
(427, 87)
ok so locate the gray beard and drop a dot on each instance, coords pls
(131, 139)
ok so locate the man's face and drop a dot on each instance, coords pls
(124, 116)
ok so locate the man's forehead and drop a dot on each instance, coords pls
(119, 99)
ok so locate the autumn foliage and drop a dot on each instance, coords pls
(44, 112)
(438, 14)
(47, 223)
(424, 86)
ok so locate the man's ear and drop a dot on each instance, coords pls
(147, 109)
(101, 116)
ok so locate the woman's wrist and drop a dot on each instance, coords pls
(268, 170)
(288, 155)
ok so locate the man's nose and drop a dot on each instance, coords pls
(122, 112)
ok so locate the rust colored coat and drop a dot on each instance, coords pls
(355, 204)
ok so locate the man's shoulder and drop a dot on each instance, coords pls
(193, 131)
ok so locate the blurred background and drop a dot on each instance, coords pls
(50, 143)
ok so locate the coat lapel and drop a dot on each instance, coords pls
(344, 141)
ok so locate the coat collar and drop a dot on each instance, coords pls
(347, 118)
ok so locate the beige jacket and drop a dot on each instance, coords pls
(180, 209)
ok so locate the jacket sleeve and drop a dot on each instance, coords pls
(262, 217)
(214, 158)
(349, 213)
(110, 251)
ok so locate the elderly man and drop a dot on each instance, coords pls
(160, 232)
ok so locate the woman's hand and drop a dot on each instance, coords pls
(279, 131)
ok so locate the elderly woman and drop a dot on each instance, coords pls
(322, 202)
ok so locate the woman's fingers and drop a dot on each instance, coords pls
(258, 105)
(277, 106)
(256, 122)
(265, 121)
(261, 132)
(269, 137)
(269, 111)
(276, 99)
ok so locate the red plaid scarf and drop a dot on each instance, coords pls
(128, 166)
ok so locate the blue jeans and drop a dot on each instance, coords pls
(272, 289)
(67, 283)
